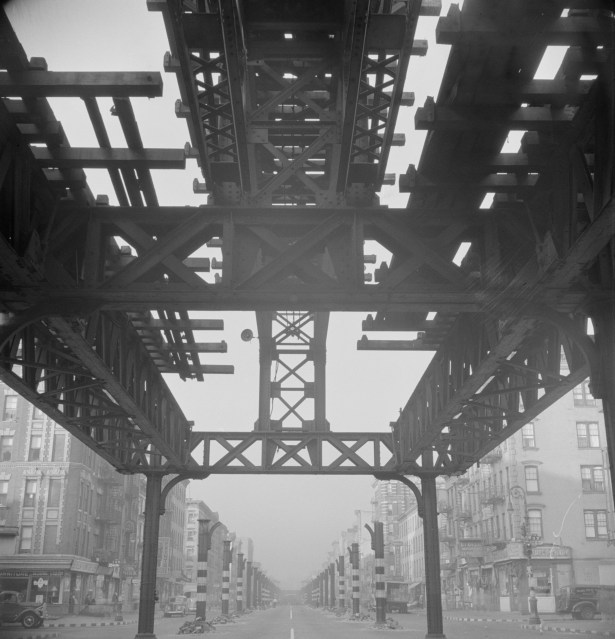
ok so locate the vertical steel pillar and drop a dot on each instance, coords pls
(226, 575)
(378, 547)
(149, 563)
(204, 543)
(433, 591)
(259, 588)
(342, 583)
(356, 586)
(239, 595)
(249, 590)
(256, 591)
(325, 581)
(603, 381)
(332, 585)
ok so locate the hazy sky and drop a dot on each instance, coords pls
(293, 521)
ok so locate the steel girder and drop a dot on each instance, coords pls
(291, 107)
(295, 452)
(274, 259)
(91, 371)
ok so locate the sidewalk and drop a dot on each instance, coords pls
(549, 621)
(79, 621)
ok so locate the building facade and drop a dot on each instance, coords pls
(536, 513)
(70, 525)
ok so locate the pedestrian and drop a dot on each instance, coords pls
(72, 600)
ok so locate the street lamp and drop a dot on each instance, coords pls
(517, 492)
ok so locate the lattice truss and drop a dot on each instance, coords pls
(295, 453)
(95, 378)
(290, 104)
(292, 350)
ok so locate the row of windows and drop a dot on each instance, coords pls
(595, 525)
(34, 450)
(592, 479)
(587, 435)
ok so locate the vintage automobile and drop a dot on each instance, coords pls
(583, 602)
(13, 609)
(175, 607)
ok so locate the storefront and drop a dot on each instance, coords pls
(548, 570)
(48, 579)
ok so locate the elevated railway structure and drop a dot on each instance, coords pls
(291, 110)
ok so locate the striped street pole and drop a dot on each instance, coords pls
(255, 592)
(341, 583)
(201, 566)
(249, 595)
(240, 565)
(226, 576)
(378, 547)
(332, 585)
(356, 586)
(325, 580)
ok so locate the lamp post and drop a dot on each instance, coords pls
(517, 492)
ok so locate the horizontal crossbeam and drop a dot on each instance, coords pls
(80, 84)
(294, 453)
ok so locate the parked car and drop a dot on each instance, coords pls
(175, 607)
(583, 602)
(13, 609)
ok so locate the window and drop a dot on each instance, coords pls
(528, 439)
(534, 520)
(25, 539)
(10, 407)
(592, 479)
(6, 447)
(30, 493)
(531, 479)
(53, 497)
(595, 524)
(59, 440)
(587, 435)
(4, 492)
(37, 413)
(50, 541)
(581, 395)
(36, 441)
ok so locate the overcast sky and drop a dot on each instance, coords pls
(293, 521)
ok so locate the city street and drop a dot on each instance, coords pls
(302, 622)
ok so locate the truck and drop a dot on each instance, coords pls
(13, 609)
(584, 602)
(398, 595)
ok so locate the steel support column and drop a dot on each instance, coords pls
(149, 562)
(332, 585)
(427, 508)
(433, 594)
(249, 589)
(356, 585)
(204, 545)
(239, 596)
(256, 587)
(325, 584)
(603, 380)
(226, 575)
(341, 583)
(377, 534)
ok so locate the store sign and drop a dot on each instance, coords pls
(551, 552)
(80, 565)
(470, 548)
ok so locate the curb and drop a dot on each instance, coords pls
(576, 631)
(47, 635)
(535, 627)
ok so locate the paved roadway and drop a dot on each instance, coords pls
(298, 622)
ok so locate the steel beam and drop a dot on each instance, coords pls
(84, 84)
